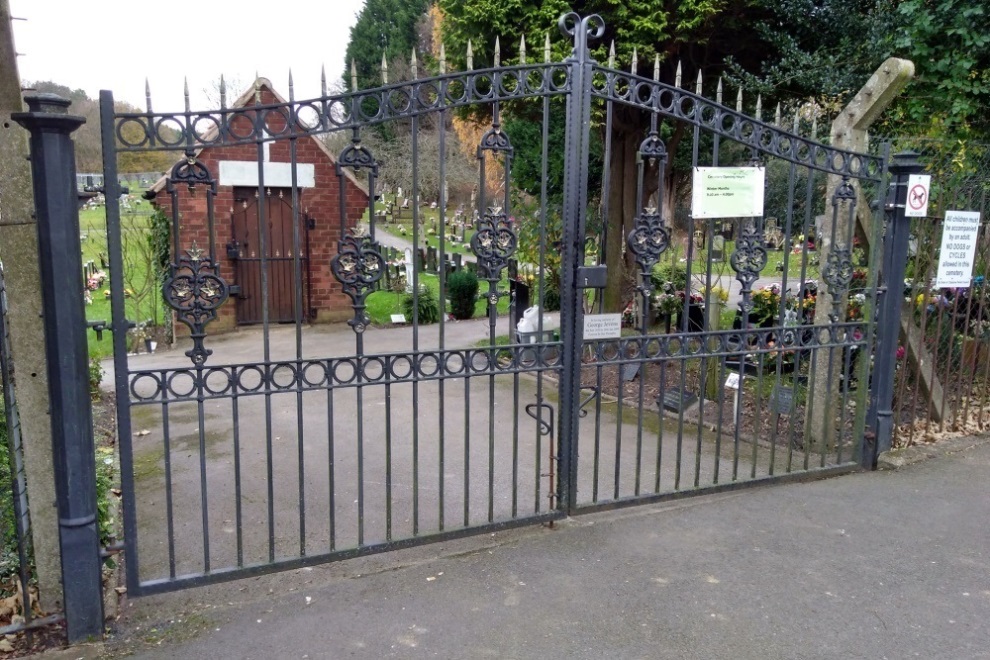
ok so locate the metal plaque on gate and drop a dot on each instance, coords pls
(602, 326)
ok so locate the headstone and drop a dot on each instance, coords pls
(409, 270)
(431, 259)
(630, 371)
(457, 261)
(463, 232)
(718, 248)
(398, 319)
(699, 239)
(676, 400)
(782, 400)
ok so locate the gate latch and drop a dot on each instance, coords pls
(591, 277)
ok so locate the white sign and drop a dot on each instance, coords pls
(919, 186)
(727, 192)
(398, 318)
(277, 175)
(955, 260)
(732, 382)
(602, 326)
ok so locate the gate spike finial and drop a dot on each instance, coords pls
(470, 57)
(323, 79)
(522, 49)
(443, 59)
(635, 63)
(759, 107)
(185, 91)
(147, 94)
(656, 67)
(776, 117)
(697, 85)
(739, 100)
(797, 122)
(384, 70)
(292, 93)
(546, 48)
(354, 80)
(677, 76)
(718, 91)
(257, 88)
(814, 126)
(413, 65)
(611, 55)
(223, 93)
(498, 53)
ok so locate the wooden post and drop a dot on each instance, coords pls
(849, 132)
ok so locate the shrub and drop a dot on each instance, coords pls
(428, 310)
(668, 271)
(95, 376)
(463, 288)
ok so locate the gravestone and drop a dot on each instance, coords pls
(431, 260)
(782, 400)
(630, 372)
(718, 248)
(676, 400)
(457, 261)
(409, 270)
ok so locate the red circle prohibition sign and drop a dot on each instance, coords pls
(917, 197)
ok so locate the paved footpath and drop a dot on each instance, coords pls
(880, 565)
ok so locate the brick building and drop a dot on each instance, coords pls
(238, 206)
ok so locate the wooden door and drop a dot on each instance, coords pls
(278, 261)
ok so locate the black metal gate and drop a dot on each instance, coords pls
(291, 446)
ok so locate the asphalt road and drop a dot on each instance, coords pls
(870, 565)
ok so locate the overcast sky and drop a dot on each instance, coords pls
(111, 44)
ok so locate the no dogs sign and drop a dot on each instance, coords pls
(919, 186)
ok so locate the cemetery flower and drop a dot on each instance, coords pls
(667, 303)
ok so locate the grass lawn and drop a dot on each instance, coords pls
(775, 261)
(427, 218)
(143, 302)
(382, 304)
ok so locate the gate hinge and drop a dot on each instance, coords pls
(591, 277)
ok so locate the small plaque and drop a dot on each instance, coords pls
(602, 326)
(732, 382)
(782, 400)
(675, 400)
(630, 371)
(398, 319)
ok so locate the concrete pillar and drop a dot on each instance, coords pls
(19, 252)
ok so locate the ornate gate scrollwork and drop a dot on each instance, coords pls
(194, 288)
(195, 291)
(358, 265)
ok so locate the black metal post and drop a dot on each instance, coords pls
(895, 247)
(54, 176)
(575, 206)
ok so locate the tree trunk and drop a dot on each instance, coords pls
(628, 131)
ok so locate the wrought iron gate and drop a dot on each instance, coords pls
(292, 446)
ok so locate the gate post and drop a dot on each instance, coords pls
(60, 264)
(895, 254)
(572, 248)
